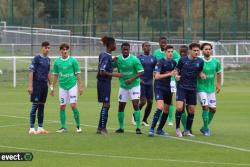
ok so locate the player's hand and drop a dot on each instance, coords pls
(203, 76)
(118, 75)
(175, 72)
(128, 81)
(52, 92)
(114, 58)
(218, 88)
(177, 77)
(142, 82)
(80, 90)
(30, 90)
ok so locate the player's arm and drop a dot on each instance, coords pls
(104, 72)
(159, 76)
(79, 81)
(52, 90)
(30, 82)
(138, 75)
(178, 69)
(218, 86)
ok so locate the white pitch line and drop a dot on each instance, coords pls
(125, 157)
(4, 126)
(172, 137)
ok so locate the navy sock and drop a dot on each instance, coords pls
(33, 115)
(177, 119)
(104, 117)
(100, 119)
(190, 119)
(156, 118)
(147, 111)
(40, 115)
(163, 120)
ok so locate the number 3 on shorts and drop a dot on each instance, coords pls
(62, 100)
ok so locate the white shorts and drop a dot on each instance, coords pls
(133, 93)
(173, 86)
(207, 99)
(68, 96)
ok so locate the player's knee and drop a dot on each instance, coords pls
(62, 107)
(213, 110)
(106, 105)
(160, 106)
(191, 109)
(205, 108)
(73, 105)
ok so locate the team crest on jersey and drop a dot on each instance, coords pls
(151, 60)
(197, 65)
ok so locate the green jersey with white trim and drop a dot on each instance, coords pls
(210, 69)
(66, 69)
(129, 67)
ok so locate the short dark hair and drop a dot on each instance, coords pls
(206, 44)
(107, 40)
(45, 43)
(168, 47)
(184, 47)
(163, 38)
(194, 45)
(64, 45)
(125, 44)
(144, 43)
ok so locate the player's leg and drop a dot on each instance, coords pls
(73, 103)
(40, 113)
(142, 101)
(122, 98)
(167, 101)
(191, 97)
(180, 99)
(134, 94)
(34, 98)
(149, 97)
(184, 115)
(104, 90)
(63, 98)
(159, 109)
(171, 106)
(203, 98)
(212, 109)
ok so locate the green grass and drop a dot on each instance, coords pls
(230, 128)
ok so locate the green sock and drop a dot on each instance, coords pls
(205, 119)
(170, 113)
(210, 117)
(63, 118)
(184, 119)
(121, 119)
(77, 117)
(137, 118)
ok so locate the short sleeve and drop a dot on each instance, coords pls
(218, 66)
(104, 63)
(76, 66)
(55, 68)
(158, 66)
(33, 65)
(138, 66)
(179, 65)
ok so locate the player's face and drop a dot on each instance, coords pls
(125, 51)
(195, 51)
(64, 52)
(207, 51)
(169, 53)
(163, 43)
(183, 52)
(45, 50)
(146, 48)
(113, 46)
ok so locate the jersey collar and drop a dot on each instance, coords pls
(126, 57)
(107, 53)
(65, 59)
(210, 59)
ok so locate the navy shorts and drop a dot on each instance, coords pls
(188, 96)
(40, 92)
(103, 91)
(147, 91)
(165, 95)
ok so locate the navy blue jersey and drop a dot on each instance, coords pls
(105, 64)
(189, 70)
(163, 65)
(40, 67)
(148, 62)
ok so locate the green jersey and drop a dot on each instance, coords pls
(210, 69)
(66, 69)
(129, 67)
(158, 54)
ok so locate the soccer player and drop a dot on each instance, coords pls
(131, 68)
(183, 50)
(148, 62)
(164, 69)
(206, 88)
(67, 71)
(188, 69)
(38, 80)
(158, 54)
(104, 77)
